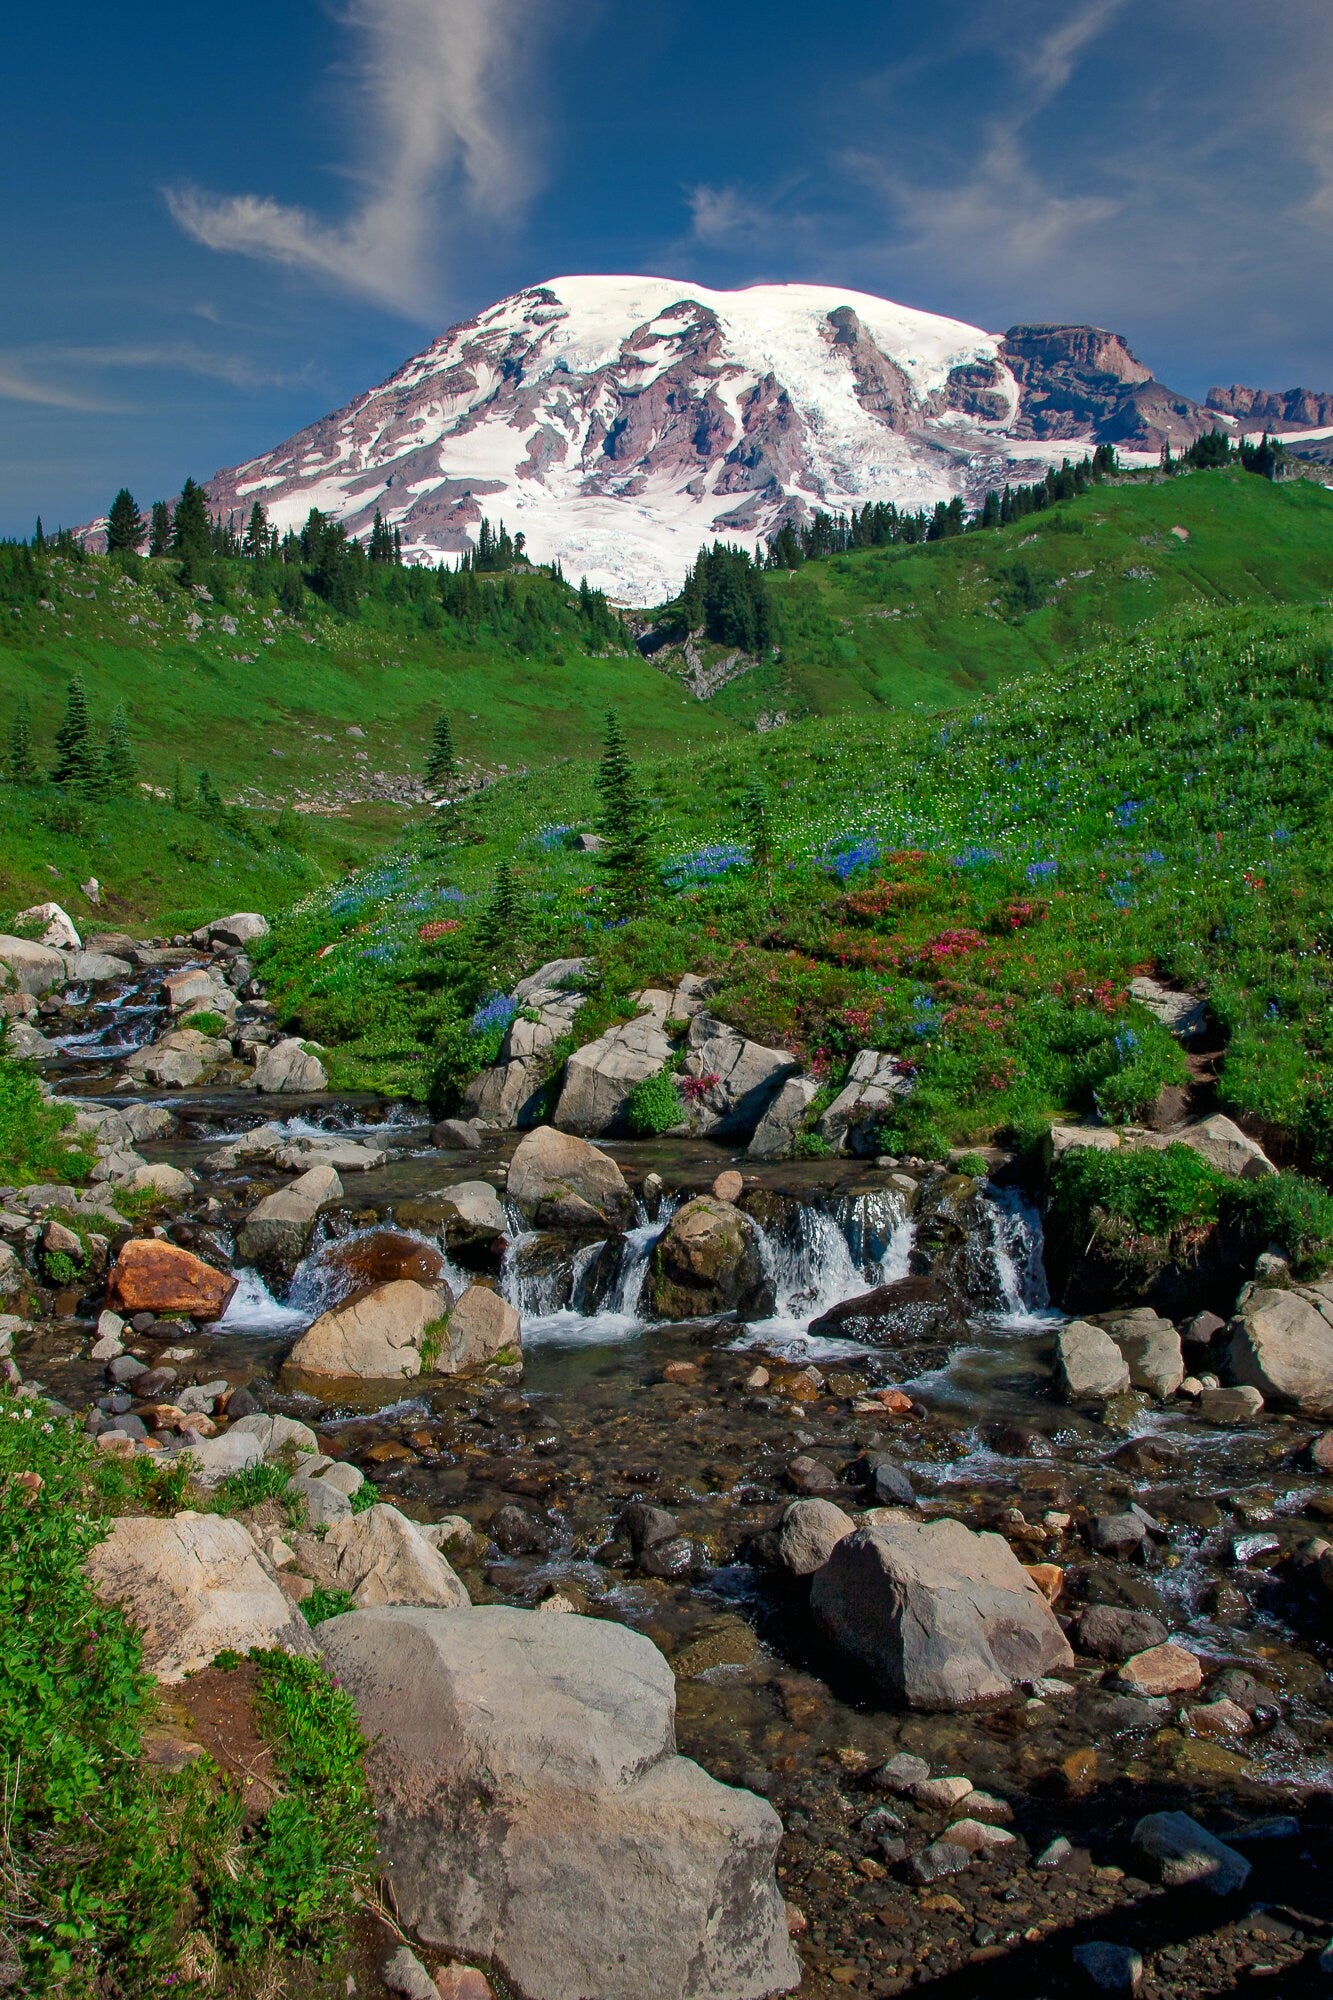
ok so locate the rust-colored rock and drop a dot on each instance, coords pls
(1164, 1669)
(156, 1277)
(1048, 1577)
(463, 1982)
(360, 1263)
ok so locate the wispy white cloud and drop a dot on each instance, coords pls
(19, 385)
(1006, 210)
(438, 84)
(726, 216)
(185, 358)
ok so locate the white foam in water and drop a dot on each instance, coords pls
(839, 1253)
(1016, 1246)
(533, 1294)
(254, 1309)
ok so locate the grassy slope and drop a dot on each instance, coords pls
(203, 700)
(925, 626)
(1167, 801)
(904, 628)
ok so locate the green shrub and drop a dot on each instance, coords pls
(972, 1163)
(1292, 1211)
(367, 1493)
(1155, 1193)
(322, 1604)
(205, 1023)
(432, 1340)
(654, 1105)
(35, 1140)
(249, 1488)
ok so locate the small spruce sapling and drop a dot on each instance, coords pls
(21, 763)
(621, 821)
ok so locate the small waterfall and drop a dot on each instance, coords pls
(253, 1309)
(1015, 1253)
(832, 1254)
(556, 1296)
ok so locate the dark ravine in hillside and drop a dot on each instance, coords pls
(686, 1480)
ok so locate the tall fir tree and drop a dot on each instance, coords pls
(179, 798)
(125, 525)
(38, 535)
(256, 543)
(77, 759)
(209, 799)
(121, 770)
(21, 765)
(441, 765)
(758, 831)
(159, 529)
(499, 922)
(191, 532)
(621, 820)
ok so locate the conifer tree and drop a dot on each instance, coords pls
(754, 819)
(255, 545)
(178, 798)
(121, 771)
(77, 760)
(159, 529)
(621, 820)
(38, 538)
(125, 525)
(209, 799)
(21, 764)
(441, 764)
(191, 531)
(500, 918)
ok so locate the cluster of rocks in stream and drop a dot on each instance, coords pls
(975, 1679)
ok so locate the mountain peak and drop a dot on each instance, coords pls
(621, 420)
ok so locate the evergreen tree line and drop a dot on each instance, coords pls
(531, 608)
(1268, 459)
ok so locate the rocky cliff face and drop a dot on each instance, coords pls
(619, 422)
(1275, 409)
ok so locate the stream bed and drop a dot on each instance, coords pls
(709, 1420)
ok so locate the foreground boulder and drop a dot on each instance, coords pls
(194, 1586)
(561, 1182)
(940, 1616)
(600, 1076)
(1089, 1366)
(56, 930)
(512, 1091)
(707, 1262)
(775, 1134)
(289, 1068)
(178, 1060)
(277, 1230)
(378, 1337)
(28, 967)
(533, 1812)
(482, 1327)
(241, 929)
(151, 1276)
(735, 1080)
(383, 1558)
(1282, 1345)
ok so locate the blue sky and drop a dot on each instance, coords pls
(221, 223)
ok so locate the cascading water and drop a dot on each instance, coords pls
(1015, 1253)
(828, 1255)
(556, 1298)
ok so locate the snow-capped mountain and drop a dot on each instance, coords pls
(620, 421)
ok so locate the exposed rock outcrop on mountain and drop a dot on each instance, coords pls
(1275, 409)
(1080, 381)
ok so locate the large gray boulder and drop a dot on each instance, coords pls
(178, 1060)
(381, 1557)
(560, 1181)
(482, 1326)
(53, 925)
(775, 1134)
(1089, 1366)
(736, 1079)
(940, 1617)
(533, 1812)
(600, 1076)
(706, 1262)
(1282, 1345)
(194, 1585)
(28, 967)
(810, 1531)
(875, 1084)
(241, 929)
(289, 1068)
(378, 1337)
(1153, 1351)
(1224, 1146)
(278, 1228)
